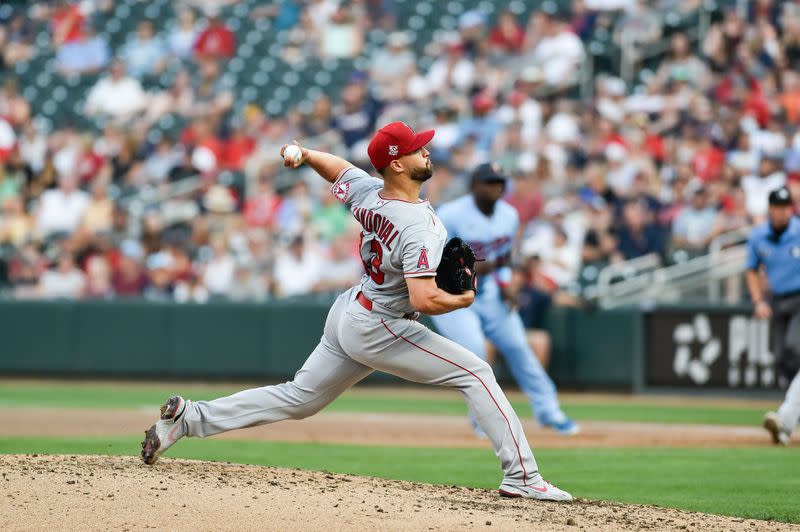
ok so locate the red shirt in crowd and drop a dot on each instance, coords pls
(68, 24)
(509, 42)
(261, 210)
(89, 165)
(708, 162)
(237, 150)
(654, 145)
(216, 41)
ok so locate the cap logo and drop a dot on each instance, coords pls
(393, 149)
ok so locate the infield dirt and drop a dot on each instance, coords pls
(385, 429)
(103, 493)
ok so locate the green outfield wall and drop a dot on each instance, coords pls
(623, 349)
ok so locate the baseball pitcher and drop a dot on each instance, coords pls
(489, 225)
(373, 325)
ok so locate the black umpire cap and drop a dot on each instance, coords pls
(488, 173)
(780, 196)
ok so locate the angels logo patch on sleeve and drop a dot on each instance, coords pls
(341, 191)
(422, 262)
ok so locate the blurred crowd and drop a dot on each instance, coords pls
(661, 163)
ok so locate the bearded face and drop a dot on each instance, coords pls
(424, 173)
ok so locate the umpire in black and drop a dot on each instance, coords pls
(775, 247)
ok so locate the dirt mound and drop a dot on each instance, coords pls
(102, 492)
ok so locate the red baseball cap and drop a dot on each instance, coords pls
(394, 140)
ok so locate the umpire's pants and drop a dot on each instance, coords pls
(786, 333)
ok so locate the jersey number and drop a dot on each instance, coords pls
(373, 265)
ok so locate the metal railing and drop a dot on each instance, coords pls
(642, 280)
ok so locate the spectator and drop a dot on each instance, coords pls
(599, 244)
(261, 210)
(559, 263)
(159, 277)
(331, 219)
(507, 37)
(14, 109)
(757, 187)
(392, 67)
(526, 196)
(471, 29)
(318, 121)
(638, 26)
(128, 279)
(695, 226)
(87, 55)
(286, 14)
(9, 185)
(297, 269)
(218, 275)
(116, 96)
(355, 118)
(238, 148)
(61, 209)
(25, 270)
(16, 41)
(452, 71)
(482, 126)
(65, 281)
(683, 64)
(145, 54)
(16, 226)
(583, 20)
(216, 40)
(98, 278)
(98, 216)
(559, 53)
(520, 108)
(342, 269)
(182, 38)
(343, 36)
(162, 160)
(317, 16)
(67, 23)
(211, 97)
(637, 237)
(178, 99)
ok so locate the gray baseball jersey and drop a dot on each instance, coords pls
(399, 238)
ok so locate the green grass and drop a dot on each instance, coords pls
(109, 395)
(750, 483)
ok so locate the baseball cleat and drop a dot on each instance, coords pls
(542, 491)
(564, 426)
(780, 434)
(166, 431)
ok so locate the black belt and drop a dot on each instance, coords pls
(787, 295)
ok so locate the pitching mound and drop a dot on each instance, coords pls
(103, 492)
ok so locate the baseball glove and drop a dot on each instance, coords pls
(456, 271)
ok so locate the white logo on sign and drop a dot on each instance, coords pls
(685, 364)
(748, 343)
(392, 149)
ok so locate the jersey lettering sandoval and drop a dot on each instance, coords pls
(399, 238)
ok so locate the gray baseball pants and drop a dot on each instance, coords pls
(356, 342)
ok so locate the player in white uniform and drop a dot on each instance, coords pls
(489, 225)
(373, 325)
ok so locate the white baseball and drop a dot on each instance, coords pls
(292, 154)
